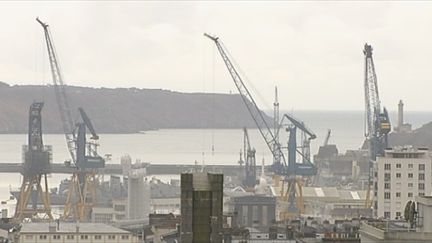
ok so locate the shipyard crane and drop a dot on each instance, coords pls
(294, 193)
(327, 138)
(377, 120)
(280, 166)
(78, 204)
(250, 163)
(36, 167)
(257, 115)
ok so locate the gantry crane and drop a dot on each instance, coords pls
(81, 195)
(377, 120)
(36, 167)
(250, 163)
(294, 193)
(280, 166)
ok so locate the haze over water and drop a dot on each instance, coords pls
(185, 146)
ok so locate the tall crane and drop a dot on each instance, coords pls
(78, 202)
(258, 116)
(327, 138)
(36, 167)
(60, 92)
(377, 120)
(280, 166)
(250, 162)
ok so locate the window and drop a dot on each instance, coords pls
(42, 237)
(98, 237)
(387, 215)
(387, 176)
(398, 166)
(387, 166)
(410, 166)
(84, 237)
(386, 185)
(410, 194)
(410, 175)
(421, 177)
(421, 186)
(386, 195)
(111, 237)
(421, 194)
(398, 214)
(56, 237)
(398, 175)
(70, 237)
(398, 194)
(421, 167)
(410, 185)
(125, 237)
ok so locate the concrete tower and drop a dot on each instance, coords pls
(138, 203)
(400, 115)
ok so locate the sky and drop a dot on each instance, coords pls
(311, 50)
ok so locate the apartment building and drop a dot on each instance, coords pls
(400, 175)
(72, 232)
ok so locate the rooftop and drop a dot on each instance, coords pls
(71, 228)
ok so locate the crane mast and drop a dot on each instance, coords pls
(377, 121)
(257, 115)
(60, 92)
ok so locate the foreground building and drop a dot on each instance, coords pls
(201, 207)
(400, 175)
(72, 232)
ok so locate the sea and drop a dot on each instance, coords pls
(200, 146)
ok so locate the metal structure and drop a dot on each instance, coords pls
(280, 167)
(250, 163)
(294, 193)
(82, 195)
(276, 124)
(327, 138)
(377, 120)
(36, 167)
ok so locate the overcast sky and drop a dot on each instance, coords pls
(311, 50)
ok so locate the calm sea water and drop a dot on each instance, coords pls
(208, 146)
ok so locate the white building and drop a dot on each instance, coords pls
(138, 202)
(72, 232)
(400, 175)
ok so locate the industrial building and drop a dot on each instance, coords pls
(201, 207)
(138, 202)
(73, 232)
(257, 211)
(400, 175)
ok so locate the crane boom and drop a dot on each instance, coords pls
(252, 107)
(60, 92)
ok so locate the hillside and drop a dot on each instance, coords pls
(123, 110)
(421, 137)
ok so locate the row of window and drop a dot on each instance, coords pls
(399, 166)
(387, 215)
(387, 195)
(387, 176)
(421, 186)
(72, 237)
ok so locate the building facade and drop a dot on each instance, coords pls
(72, 232)
(201, 207)
(400, 175)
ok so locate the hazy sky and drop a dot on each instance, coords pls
(311, 50)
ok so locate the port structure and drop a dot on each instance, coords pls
(377, 122)
(280, 167)
(36, 167)
(298, 148)
(82, 189)
(250, 179)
